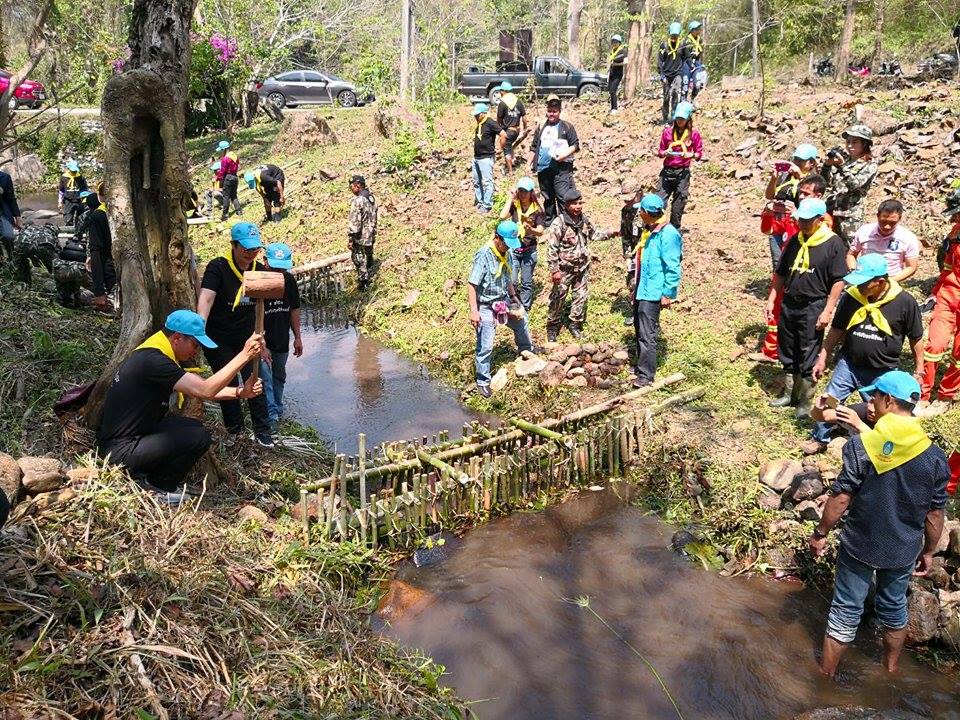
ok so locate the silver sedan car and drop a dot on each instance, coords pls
(309, 87)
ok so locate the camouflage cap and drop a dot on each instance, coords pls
(858, 131)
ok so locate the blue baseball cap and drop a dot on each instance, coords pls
(280, 256)
(810, 208)
(73, 166)
(85, 194)
(214, 167)
(525, 183)
(650, 203)
(506, 86)
(684, 110)
(480, 108)
(509, 233)
(223, 145)
(250, 179)
(247, 234)
(869, 267)
(187, 322)
(694, 24)
(806, 151)
(675, 28)
(897, 384)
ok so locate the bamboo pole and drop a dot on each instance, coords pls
(362, 450)
(529, 427)
(305, 516)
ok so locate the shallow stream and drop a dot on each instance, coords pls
(499, 614)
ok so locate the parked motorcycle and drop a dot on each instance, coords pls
(942, 65)
(825, 67)
(891, 67)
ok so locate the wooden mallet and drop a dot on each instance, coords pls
(260, 285)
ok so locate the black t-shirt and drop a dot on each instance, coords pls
(617, 63)
(509, 119)
(486, 145)
(139, 397)
(271, 177)
(228, 326)
(828, 265)
(276, 315)
(865, 345)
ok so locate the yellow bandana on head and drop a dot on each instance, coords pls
(239, 275)
(501, 258)
(802, 262)
(159, 341)
(895, 440)
(872, 309)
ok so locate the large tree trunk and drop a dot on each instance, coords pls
(147, 177)
(574, 13)
(755, 59)
(646, 41)
(632, 71)
(846, 38)
(406, 46)
(879, 7)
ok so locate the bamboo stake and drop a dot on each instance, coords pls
(342, 521)
(435, 462)
(529, 427)
(305, 516)
(362, 448)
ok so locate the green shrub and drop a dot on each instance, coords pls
(401, 155)
(64, 139)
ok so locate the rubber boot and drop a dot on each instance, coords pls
(805, 392)
(576, 330)
(789, 393)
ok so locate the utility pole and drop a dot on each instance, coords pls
(756, 38)
(406, 47)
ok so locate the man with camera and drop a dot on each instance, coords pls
(849, 172)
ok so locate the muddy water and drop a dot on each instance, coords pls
(346, 383)
(730, 648)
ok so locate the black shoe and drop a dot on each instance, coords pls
(575, 330)
(264, 439)
(551, 336)
(484, 391)
(928, 305)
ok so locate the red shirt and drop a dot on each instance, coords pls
(688, 140)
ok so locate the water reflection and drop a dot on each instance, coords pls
(346, 383)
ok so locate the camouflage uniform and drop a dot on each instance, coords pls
(569, 253)
(847, 188)
(70, 276)
(362, 231)
(35, 246)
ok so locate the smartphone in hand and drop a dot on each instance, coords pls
(781, 167)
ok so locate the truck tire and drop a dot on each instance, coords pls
(588, 90)
(494, 95)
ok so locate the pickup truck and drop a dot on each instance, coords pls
(551, 75)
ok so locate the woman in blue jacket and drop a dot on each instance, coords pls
(658, 255)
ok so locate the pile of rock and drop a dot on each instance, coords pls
(41, 481)
(934, 605)
(590, 364)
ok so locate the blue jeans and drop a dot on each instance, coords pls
(850, 588)
(523, 266)
(483, 183)
(776, 249)
(485, 335)
(845, 380)
(274, 378)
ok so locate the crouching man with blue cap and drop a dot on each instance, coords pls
(494, 300)
(157, 448)
(893, 489)
(657, 257)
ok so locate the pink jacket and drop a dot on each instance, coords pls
(691, 143)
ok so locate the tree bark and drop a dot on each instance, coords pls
(574, 13)
(646, 41)
(879, 8)
(147, 178)
(632, 71)
(846, 38)
(755, 62)
(406, 46)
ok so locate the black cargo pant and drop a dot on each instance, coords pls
(162, 458)
(646, 326)
(798, 340)
(228, 194)
(614, 86)
(675, 183)
(554, 183)
(232, 411)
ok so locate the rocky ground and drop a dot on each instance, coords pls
(419, 169)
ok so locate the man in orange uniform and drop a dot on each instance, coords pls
(943, 324)
(811, 186)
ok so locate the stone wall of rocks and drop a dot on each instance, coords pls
(31, 485)
(799, 491)
(590, 364)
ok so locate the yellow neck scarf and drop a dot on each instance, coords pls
(895, 440)
(641, 243)
(872, 309)
(502, 259)
(683, 142)
(521, 214)
(614, 53)
(695, 43)
(672, 49)
(239, 275)
(159, 341)
(802, 262)
(509, 99)
(480, 123)
(72, 178)
(791, 183)
(102, 206)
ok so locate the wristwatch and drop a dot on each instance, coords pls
(819, 535)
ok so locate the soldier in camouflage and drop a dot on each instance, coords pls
(35, 246)
(362, 229)
(70, 274)
(568, 257)
(848, 180)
